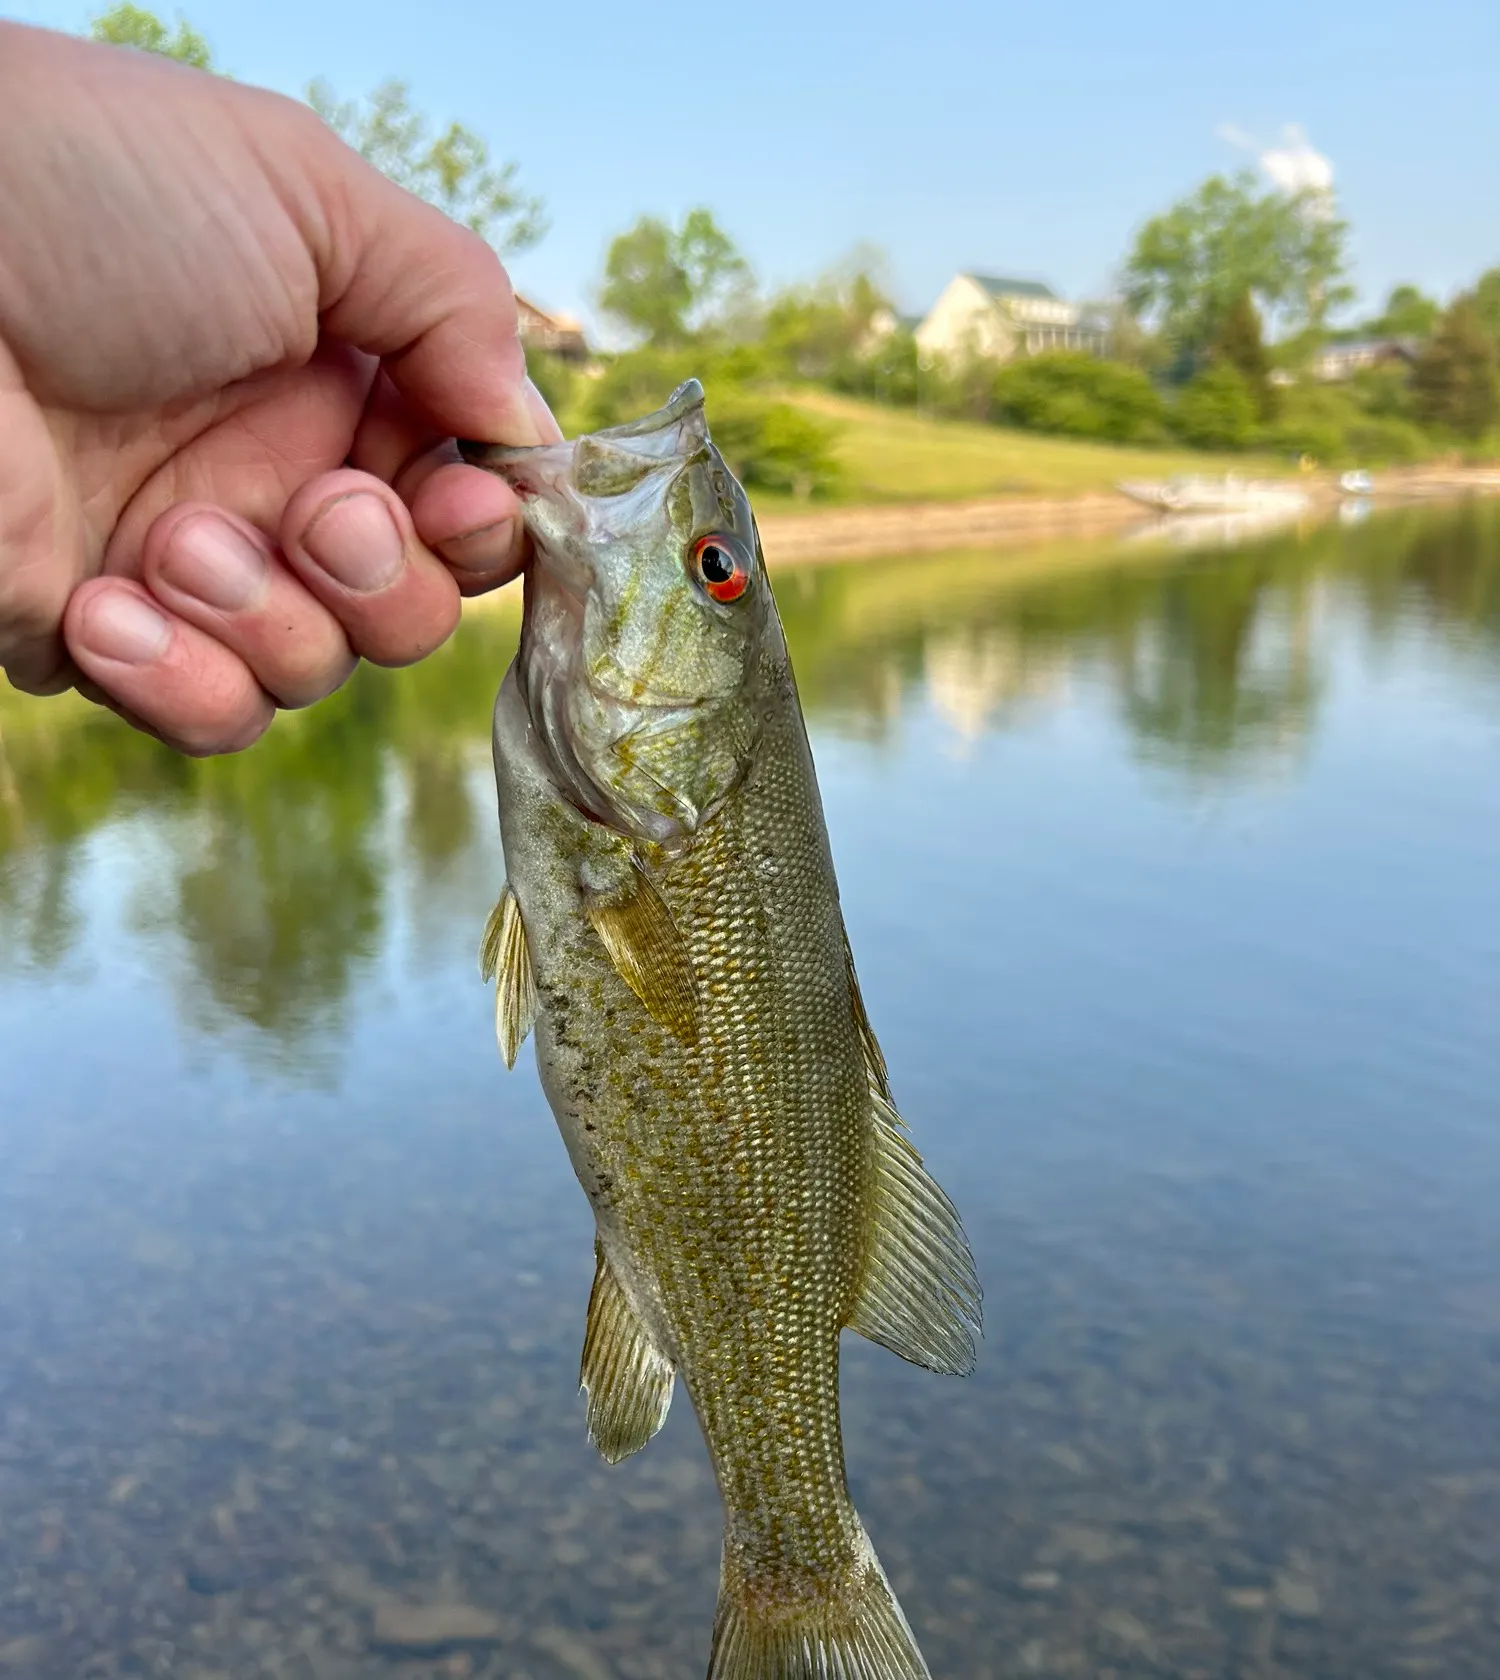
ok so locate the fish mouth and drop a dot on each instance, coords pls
(684, 403)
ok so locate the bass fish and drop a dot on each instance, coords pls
(670, 926)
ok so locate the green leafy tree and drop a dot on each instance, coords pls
(1192, 262)
(820, 331)
(1408, 313)
(125, 25)
(670, 285)
(1237, 343)
(1456, 380)
(450, 168)
(1487, 302)
(1216, 409)
(1079, 396)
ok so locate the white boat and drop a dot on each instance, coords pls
(1356, 483)
(1229, 494)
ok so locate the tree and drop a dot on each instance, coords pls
(1408, 313)
(1456, 380)
(1216, 409)
(1237, 343)
(1487, 302)
(1227, 238)
(451, 169)
(668, 285)
(125, 25)
(820, 331)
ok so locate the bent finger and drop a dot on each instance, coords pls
(351, 540)
(180, 682)
(223, 575)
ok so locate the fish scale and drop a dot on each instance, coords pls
(671, 928)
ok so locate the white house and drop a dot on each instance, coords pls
(1337, 362)
(996, 318)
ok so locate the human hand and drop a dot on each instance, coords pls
(232, 359)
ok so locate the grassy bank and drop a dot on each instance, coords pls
(895, 455)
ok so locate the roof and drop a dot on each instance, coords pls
(1000, 287)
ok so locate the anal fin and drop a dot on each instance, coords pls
(920, 1293)
(627, 1379)
(505, 959)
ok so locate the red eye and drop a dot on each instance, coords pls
(723, 573)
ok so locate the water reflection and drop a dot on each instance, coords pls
(274, 891)
(295, 1276)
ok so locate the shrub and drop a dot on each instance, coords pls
(1216, 410)
(1386, 441)
(773, 444)
(1079, 396)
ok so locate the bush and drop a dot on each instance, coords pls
(1216, 410)
(1079, 396)
(556, 379)
(773, 444)
(1322, 439)
(1386, 442)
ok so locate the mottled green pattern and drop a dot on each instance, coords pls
(702, 1042)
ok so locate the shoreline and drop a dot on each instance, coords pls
(870, 530)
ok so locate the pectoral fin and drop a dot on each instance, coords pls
(504, 958)
(636, 928)
(628, 1381)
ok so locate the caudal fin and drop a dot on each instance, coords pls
(856, 1633)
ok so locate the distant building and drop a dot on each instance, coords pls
(559, 333)
(1336, 362)
(995, 318)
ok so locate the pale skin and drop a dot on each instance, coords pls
(232, 361)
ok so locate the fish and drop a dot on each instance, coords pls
(670, 928)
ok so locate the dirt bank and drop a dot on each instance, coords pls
(924, 527)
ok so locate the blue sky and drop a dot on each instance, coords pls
(956, 134)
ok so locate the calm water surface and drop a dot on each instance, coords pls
(1172, 879)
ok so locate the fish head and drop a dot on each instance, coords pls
(648, 618)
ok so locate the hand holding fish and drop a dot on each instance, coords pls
(231, 356)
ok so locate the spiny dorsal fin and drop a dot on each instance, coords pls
(503, 954)
(649, 954)
(874, 1059)
(628, 1382)
(920, 1294)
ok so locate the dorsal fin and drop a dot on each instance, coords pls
(627, 1380)
(920, 1293)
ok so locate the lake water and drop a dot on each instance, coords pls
(1172, 878)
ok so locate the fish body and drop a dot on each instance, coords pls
(671, 927)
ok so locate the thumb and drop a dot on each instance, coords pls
(400, 280)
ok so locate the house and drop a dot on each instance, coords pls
(1337, 362)
(997, 318)
(558, 333)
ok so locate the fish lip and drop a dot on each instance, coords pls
(495, 456)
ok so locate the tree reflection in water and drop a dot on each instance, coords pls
(268, 878)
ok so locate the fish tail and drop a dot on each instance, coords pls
(854, 1631)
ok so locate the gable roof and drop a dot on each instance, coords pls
(1000, 287)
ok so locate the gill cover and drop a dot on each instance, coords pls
(647, 617)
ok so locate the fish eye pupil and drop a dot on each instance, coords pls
(715, 564)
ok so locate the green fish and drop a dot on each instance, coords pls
(671, 928)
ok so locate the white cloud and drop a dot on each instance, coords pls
(1296, 165)
(1293, 164)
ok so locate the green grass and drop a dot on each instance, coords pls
(894, 455)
